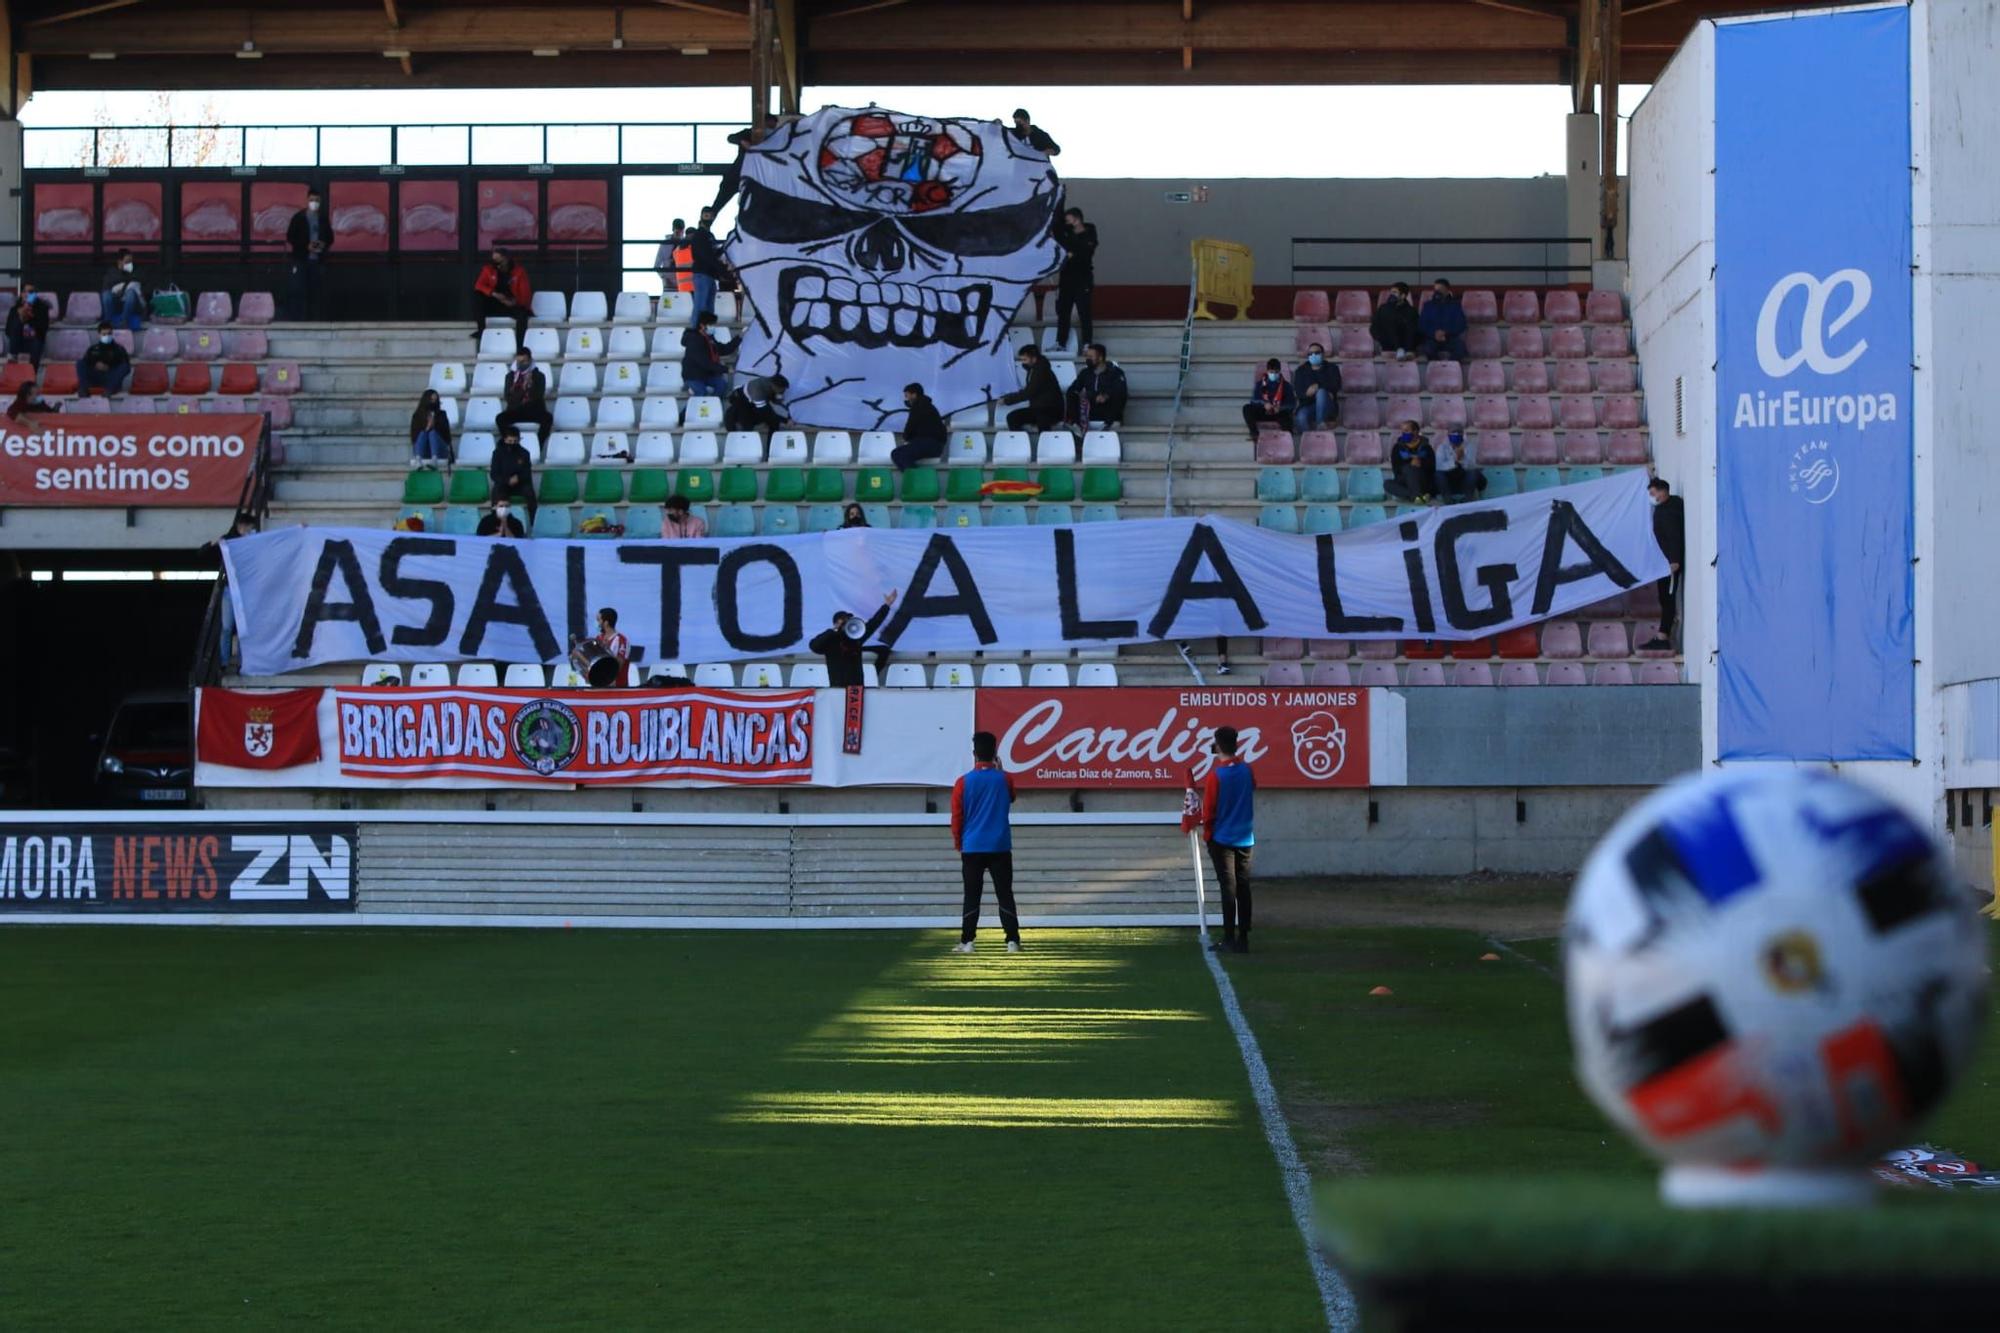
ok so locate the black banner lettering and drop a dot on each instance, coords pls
(728, 605)
(1499, 606)
(435, 591)
(503, 565)
(1203, 545)
(672, 558)
(1074, 626)
(1337, 619)
(1566, 525)
(964, 601)
(359, 607)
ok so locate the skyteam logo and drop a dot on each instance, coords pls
(1801, 325)
(1814, 472)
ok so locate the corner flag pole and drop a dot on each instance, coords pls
(1200, 887)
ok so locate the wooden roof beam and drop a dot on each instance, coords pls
(332, 32)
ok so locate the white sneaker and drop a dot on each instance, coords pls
(1013, 946)
(963, 946)
(416, 463)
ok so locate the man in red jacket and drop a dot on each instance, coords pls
(503, 289)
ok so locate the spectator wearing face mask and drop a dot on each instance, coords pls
(1271, 399)
(1317, 384)
(1395, 327)
(1457, 479)
(502, 291)
(104, 365)
(1097, 399)
(1025, 132)
(500, 521)
(758, 405)
(1413, 464)
(309, 236)
(524, 398)
(701, 362)
(854, 516)
(28, 327)
(923, 429)
(705, 256)
(430, 432)
(1443, 322)
(512, 471)
(1040, 395)
(124, 300)
(1078, 276)
(677, 523)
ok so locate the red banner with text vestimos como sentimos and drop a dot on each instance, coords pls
(197, 459)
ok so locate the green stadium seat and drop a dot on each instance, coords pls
(427, 488)
(550, 521)
(826, 485)
(1278, 518)
(1360, 516)
(917, 516)
(1365, 484)
(1050, 516)
(461, 520)
(1541, 478)
(603, 486)
(778, 520)
(605, 512)
(785, 485)
(878, 516)
(643, 520)
(1501, 481)
(696, 483)
(1277, 485)
(1007, 516)
(734, 520)
(557, 487)
(1321, 485)
(651, 485)
(468, 486)
(1058, 485)
(1322, 518)
(1011, 474)
(739, 485)
(960, 516)
(1100, 513)
(920, 486)
(823, 517)
(875, 485)
(1101, 486)
(961, 485)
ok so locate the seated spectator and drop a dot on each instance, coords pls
(678, 523)
(1271, 399)
(1317, 385)
(124, 301)
(1097, 399)
(104, 365)
(430, 432)
(1457, 479)
(758, 405)
(701, 361)
(28, 327)
(1443, 322)
(26, 401)
(1413, 464)
(512, 470)
(923, 429)
(1041, 395)
(1395, 326)
(503, 289)
(854, 516)
(500, 522)
(525, 397)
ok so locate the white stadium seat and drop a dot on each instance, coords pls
(624, 377)
(704, 412)
(1011, 448)
(743, 446)
(713, 674)
(565, 448)
(382, 673)
(610, 446)
(762, 676)
(548, 308)
(971, 418)
(448, 377)
(478, 673)
(1097, 673)
(474, 448)
(833, 448)
(1049, 674)
(1055, 448)
(653, 446)
(454, 411)
(577, 377)
(584, 344)
(496, 345)
(633, 308)
(489, 377)
(1100, 446)
(967, 446)
(677, 308)
(544, 344)
(952, 676)
(626, 343)
(875, 447)
(588, 308)
(809, 676)
(525, 676)
(700, 448)
(999, 675)
(788, 448)
(660, 410)
(664, 376)
(481, 412)
(572, 414)
(430, 673)
(1065, 373)
(725, 306)
(566, 677)
(617, 412)
(904, 675)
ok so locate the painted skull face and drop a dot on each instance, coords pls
(880, 250)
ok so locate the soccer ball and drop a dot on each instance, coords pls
(1770, 970)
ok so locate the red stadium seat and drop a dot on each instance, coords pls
(1482, 342)
(1444, 377)
(1274, 446)
(1355, 344)
(1363, 410)
(1584, 448)
(1519, 643)
(1578, 412)
(1472, 650)
(57, 380)
(1365, 447)
(1493, 448)
(1562, 307)
(1491, 411)
(1610, 343)
(1421, 649)
(1525, 343)
(1284, 650)
(1479, 307)
(1309, 307)
(1329, 650)
(15, 375)
(1520, 307)
(1628, 448)
(1621, 411)
(1538, 448)
(1531, 377)
(1487, 377)
(149, 379)
(1358, 377)
(1352, 307)
(1307, 334)
(191, 379)
(239, 380)
(1573, 377)
(1569, 343)
(1402, 407)
(1403, 377)
(1447, 410)
(1378, 650)
(1534, 412)
(1602, 307)
(1615, 376)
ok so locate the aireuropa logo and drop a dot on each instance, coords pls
(1815, 329)
(1814, 472)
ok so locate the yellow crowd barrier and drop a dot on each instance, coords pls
(1222, 271)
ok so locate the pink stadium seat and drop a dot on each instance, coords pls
(1284, 673)
(1628, 448)
(1531, 376)
(1562, 307)
(1611, 673)
(1352, 307)
(1616, 377)
(1645, 632)
(1642, 602)
(1402, 407)
(257, 308)
(1424, 673)
(1446, 410)
(1578, 412)
(1330, 675)
(1486, 376)
(1562, 639)
(281, 377)
(1658, 673)
(1519, 673)
(1358, 377)
(1376, 675)
(1319, 446)
(1520, 643)
(1493, 448)
(67, 344)
(1366, 447)
(201, 345)
(1519, 307)
(1329, 650)
(1444, 377)
(1534, 412)
(1583, 447)
(1524, 342)
(1608, 639)
(158, 344)
(82, 308)
(226, 405)
(1569, 343)
(1355, 344)
(1621, 411)
(1573, 377)
(1364, 410)
(1567, 673)
(1284, 650)
(213, 308)
(1479, 306)
(1378, 650)
(1307, 334)
(135, 404)
(1403, 377)
(278, 409)
(1274, 446)
(1472, 673)
(1491, 411)
(149, 379)
(1482, 342)
(1538, 448)
(1602, 307)
(246, 344)
(1610, 342)
(1309, 307)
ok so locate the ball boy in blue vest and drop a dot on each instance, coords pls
(980, 801)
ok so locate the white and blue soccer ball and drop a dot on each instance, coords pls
(1771, 969)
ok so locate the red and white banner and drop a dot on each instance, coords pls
(576, 736)
(1160, 737)
(265, 729)
(195, 460)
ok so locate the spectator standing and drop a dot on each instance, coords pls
(705, 262)
(309, 236)
(1457, 479)
(984, 837)
(512, 471)
(1443, 323)
(611, 641)
(854, 516)
(732, 175)
(243, 525)
(1395, 327)
(758, 405)
(104, 364)
(502, 289)
(499, 521)
(1030, 135)
(1228, 825)
(28, 327)
(123, 298)
(430, 432)
(26, 400)
(842, 652)
(1412, 466)
(1077, 277)
(679, 523)
(1098, 396)
(1271, 399)
(667, 260)
(525, 396)
(1041, 395)
(1316, 384)
(701, 361)
(923, 429)
(1670, 531)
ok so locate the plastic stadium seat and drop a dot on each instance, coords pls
(548, 307)
(1577, 412)
(448, 378)
(545, 345)
(1405, 407)
(238, 380)
(1098, 513)
(1366, 446)
(1424, 673)
(664, 378)
(81, 308)
(1101, 446)
(1534, 412)
(382, 673)
(744, 447)
(904, 676)
(1569, 343)
(1610, 343)
(627, 342)
(1310, 307)
(58, 379)
(1097, 674)
(1446, 410)
(1562, 307)
(1319, 446)
(1562, 639)
(1573, 377)
(1520, 307)
(1365, 484)
(1483, 343)
(633, 308)
(617, 412)
(966, 448)
(1492, 448)
(1045, 675)
(825, 485)
(1444, 377)
(1525, 342)
(705, 413)
(660, 413)
(920, 485)
(715, 675)
(832, 448)
(1471, 673)
(1376, 675)
(1277, 485)
(1604, 307)
(135, 404)
(823, 517)
(281, 377)
(480, 413)
(1611, 673)
(522, 676)
(1404, 377)
(496, 344)
(1102, 486)
(1278, 518)
(1531, 377)
(1519, 673)
(1273, 446)
(1485, 376)
(1479, 306)
(1330, 675)
(1358, 377)
(1567, 673)
(257, 308)
(155, 344)
(1621, 412)
(962, 485)
(874, 484)
(808, 676)
(1284, 650)
(1657, 672)
(577, 377)
(430, 673)
(788, 448)
(1627, 448)
(1012, 447)
(778, 521)
(584, 344)
(1490, 411)
(1614, 376)
(1055, 448)
(700, 447)
(213, 308)
(572, 413)
(478, 673)
(1608, 639)
(874, 447)
(473, 449)
(1355, 343)
(565, 449)
(653, 446)
(610, 446)
(676, 308)
(278, 409)
(191, 379)
(1522, 642)
(200, 345)
(1352, 307)
(1058, 484)
(1285, 673)
(1538, 448)
(1305, 335)
(999, 675)
(1540, 478)
(1320, 484)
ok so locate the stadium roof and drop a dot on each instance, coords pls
(109, 44)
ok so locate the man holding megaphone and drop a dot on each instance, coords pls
(841, 646)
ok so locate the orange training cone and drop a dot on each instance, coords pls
(1381, 990)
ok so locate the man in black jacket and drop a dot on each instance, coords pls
(842, 653)
(525, 397)
(1025, 131)
(513, 471)
(1670, 531)
(1317, 384)
(923, 429)
(732, 175)
(28, 326)
(1078, 276)
(310, 236)
(1041, 393)
(104, 365)
(706, 258)
(1097, 399)
(758, 405)
(702, 370)
(1396, 326)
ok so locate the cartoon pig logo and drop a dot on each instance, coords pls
(1319, 745)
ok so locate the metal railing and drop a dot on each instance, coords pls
(1180, 389)
(1554, 260)
(255, 499)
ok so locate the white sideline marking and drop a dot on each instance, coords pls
(1334, 1297)
(578, 921)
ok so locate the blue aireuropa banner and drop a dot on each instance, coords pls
(1814, 447)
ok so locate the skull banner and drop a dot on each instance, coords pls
(880, 249)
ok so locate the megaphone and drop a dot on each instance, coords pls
(854, 627)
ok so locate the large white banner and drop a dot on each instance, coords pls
(881, 249)
(304, 596)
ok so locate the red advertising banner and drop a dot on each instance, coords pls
(427, 215)
(258, 728)
(360, 216)
(199, 460)
(508, 211)
(1121, 737)
(576, 736)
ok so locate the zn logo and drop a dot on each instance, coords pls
(1814, 328)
